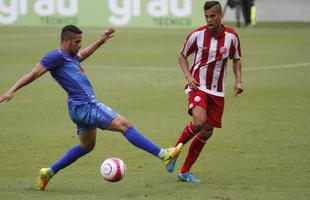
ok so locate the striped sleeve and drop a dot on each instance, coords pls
(190, 45)
(236, 50)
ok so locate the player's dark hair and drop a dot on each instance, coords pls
(69, 31)
(210, 4)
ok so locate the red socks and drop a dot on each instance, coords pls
(193, 153)
(188, 133)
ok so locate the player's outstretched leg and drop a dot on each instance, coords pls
(171, 154)
(187, 177)
(44, 176)
(140, 141)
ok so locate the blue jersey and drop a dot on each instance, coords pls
(67, 71)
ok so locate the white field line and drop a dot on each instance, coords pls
(295, 65)
(147, 68)
(36, 35)
(54, 32)
(157, 68)
(12, 36)
(25, 35)
(154, 68)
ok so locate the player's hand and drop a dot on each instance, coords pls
(6, 97)
(238, 89)
(109, 33)
(192, 83)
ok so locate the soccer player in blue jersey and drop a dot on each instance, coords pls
(85, 110)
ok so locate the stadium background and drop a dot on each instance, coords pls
(135, 13)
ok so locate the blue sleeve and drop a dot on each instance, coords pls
(52, 60)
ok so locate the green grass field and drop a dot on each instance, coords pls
(261, 153)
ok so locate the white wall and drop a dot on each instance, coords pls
(277, 10)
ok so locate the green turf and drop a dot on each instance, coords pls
(262, 151)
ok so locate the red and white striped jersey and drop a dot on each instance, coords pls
(210, 57)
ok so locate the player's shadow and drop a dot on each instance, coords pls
(60, 191)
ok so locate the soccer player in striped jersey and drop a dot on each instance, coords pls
(211, 45)
(85, 110)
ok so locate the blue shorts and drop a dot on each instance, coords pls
(91, 116)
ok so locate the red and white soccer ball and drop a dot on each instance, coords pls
(113, 169)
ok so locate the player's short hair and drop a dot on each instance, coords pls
(69, 31)
(210, 4)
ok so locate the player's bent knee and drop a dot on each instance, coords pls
(88, 140)
(199, 124)
(119, 124)
(206, 132)
(88, 147)
(124, 125)
(204, 135)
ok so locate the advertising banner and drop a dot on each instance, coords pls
(98, 13)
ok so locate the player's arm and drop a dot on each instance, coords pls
(88, 51)
(192, 83)
(238, 87)
(37, 71)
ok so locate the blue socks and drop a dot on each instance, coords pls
(132, 135)
(140, 141)
(72, 155)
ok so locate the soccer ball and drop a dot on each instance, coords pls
(113, 169)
